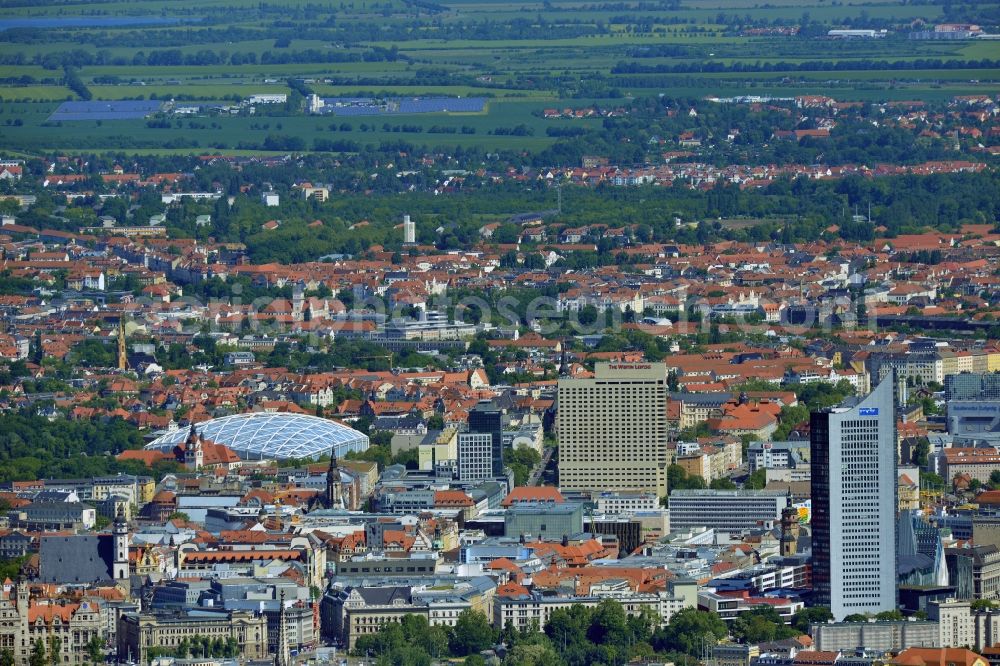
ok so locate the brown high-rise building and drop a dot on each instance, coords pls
(613, 429)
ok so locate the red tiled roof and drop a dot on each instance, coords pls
(937, 657)
(512, 591)
(147, 458)
(443, 498)
(244, 555)
(533, 494)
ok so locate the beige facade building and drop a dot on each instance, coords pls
(69, 624)
(889, 636)
(957, 362)
(992, 360)
(696, 464)
(352, 612)
(712, 462)
(734, 654)
(693, 413)
(908, 494)
(524, 610)
(922, 368)
(442, 448)
(138, 632)
(950, 624)
(977, 463)
(613, 429)
(962, 626)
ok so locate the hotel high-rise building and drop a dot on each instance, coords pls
(854, 504)
(613, 429)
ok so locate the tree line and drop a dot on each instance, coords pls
(33, 447)
(577, 636)
(862, 64)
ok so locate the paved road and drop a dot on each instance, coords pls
(536, 473)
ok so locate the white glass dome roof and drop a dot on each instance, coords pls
(265, 435)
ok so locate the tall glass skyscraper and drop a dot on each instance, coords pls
(854, 504)
(487, 419)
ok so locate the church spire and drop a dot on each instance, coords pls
(122, 357)
(120, 535)
(194, 451)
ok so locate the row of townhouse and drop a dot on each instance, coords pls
(934, 366)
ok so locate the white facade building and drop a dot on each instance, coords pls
(475, 456)
(409, 231)
(854, 504)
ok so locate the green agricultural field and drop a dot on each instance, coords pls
(246, 72)
(918, 78)
(214, 91)
(35, 93)
(414, 91)
(706, 10)
(525, 55)
(227, 133)
(171, 7)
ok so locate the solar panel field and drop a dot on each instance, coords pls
(106, 110)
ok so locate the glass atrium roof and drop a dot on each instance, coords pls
(264, 435)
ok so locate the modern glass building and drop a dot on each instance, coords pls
(975, 386)
(854, 504)
(265, 435)
(729, 511)
(544, 520)
(486, 418)
(973, 406)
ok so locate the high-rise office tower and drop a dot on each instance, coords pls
(854, 504)
(485, 419)
(613, 429)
